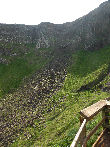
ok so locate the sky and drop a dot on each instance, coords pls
(33, 12)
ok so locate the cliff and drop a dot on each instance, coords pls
(89, 32)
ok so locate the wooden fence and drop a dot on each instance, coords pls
(86, 115)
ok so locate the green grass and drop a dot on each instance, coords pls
(61, 130)
(61, 124)
(85, 62)
(20, 67)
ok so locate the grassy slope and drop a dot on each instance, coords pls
(60, 126)
(20, 67)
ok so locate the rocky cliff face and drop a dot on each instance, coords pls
(89, 32)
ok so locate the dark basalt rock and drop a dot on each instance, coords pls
(89, 32)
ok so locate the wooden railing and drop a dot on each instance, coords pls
(86, 115)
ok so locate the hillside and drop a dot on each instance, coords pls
(36, 110)
(89, 31)
(48, 73)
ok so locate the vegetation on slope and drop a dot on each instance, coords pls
(58, 126)
(21, 66)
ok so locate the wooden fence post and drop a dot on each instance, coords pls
(105, 113)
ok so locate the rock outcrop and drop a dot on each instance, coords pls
(88, 32)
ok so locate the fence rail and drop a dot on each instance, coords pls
(78, 135)
(86, 115)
